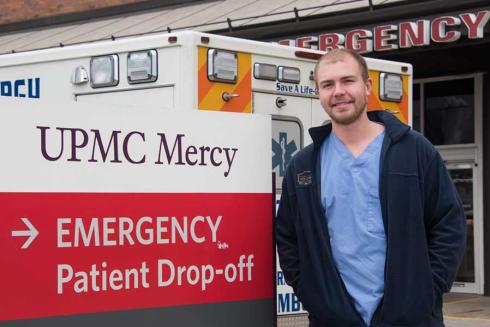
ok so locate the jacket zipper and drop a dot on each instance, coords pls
(382, 194)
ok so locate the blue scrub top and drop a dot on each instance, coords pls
(350, 199)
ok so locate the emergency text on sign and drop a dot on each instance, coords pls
(121, 231)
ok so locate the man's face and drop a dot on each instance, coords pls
(342, 91)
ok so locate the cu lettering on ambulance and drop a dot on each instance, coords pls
(21, 88)
(71, 145)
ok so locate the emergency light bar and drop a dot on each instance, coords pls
(104, 71)
(390, 87)
(265, 71)
(289, 74)
(142, 66)
(222, 66)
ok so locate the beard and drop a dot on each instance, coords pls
(347, 118)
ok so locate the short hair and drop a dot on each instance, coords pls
(336, 55)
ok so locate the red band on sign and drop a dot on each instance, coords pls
(119, 251)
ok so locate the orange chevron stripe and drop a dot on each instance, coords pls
(203, 83)
(373, 100)
(244, 102)
(210, 93)
(203, 88)
(375, 103)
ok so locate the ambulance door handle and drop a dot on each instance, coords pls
(281, 102)
(228, 96)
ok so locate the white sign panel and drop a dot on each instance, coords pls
(162, 214)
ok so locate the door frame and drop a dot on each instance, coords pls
(477, 286)
(472, 155)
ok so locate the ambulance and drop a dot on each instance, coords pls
(196, 71)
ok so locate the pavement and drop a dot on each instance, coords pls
(460, 310)
(466, 310)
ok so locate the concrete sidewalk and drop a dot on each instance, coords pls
(460, 310)
(466, 310)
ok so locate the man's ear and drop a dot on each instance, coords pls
(369, 86)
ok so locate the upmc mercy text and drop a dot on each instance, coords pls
(90, 145)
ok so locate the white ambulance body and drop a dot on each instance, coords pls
(196, 71)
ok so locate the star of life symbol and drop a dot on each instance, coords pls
(282, 152)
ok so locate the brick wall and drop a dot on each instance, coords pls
(13, 11)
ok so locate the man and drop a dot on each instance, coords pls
(370, 229)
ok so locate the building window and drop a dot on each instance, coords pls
(448, 113)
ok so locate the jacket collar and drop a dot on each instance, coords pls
(394, 128)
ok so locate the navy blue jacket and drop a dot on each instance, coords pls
(424, 223)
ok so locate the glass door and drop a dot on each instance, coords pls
(448, 110)
(467, 279)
